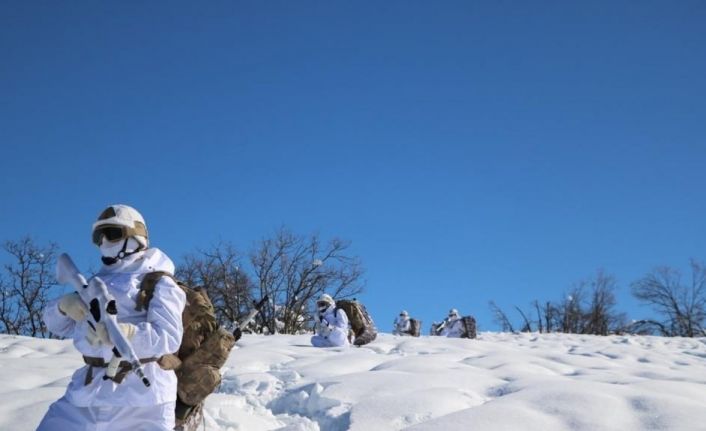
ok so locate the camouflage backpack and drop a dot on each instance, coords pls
(415, 327)
(204, 348)
(362, 324)
(469, 324)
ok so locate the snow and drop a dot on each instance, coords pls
(499, 382)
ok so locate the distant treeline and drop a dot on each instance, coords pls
(590, 307)
(292, 270)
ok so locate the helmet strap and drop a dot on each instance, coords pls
(122, 253)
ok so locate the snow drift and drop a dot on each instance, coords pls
(497, 382)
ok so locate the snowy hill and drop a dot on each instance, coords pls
(498, 382)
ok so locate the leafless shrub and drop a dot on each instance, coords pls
(680, 305)
(587, 308)
(501, 318)
(219, 271)
(25, 287)
(294, 270)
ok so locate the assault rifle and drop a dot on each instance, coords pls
(103, 309)
(438, 327)
(257, 306)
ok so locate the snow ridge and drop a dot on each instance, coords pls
(501, 381)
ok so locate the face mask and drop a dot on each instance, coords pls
(111, 250)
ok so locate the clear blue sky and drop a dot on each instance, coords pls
(470, 150)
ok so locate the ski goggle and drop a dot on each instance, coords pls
(322, 304)
(114, 233)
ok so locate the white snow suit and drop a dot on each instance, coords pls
(402, 326)
(331, 329)
(97, 404)
(453, 328)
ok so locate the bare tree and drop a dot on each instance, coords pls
(219, 271)
(526, 325)
(680, 306)
(293, 270)
(540, 320)
(570, 310)
(601, 317)
(501, 318)
(551, 318)
(26, 287)
(588, 308)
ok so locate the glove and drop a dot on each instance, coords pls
(72, 306)
(100, 334)
(325, 328)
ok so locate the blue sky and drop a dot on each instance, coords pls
(471, 151)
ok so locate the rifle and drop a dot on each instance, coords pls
(440, 327)
(257, 306)
(103, 308)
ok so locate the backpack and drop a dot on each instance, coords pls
(469, 324)
(435, 331)
(415, 327)
(362, 324)
(204, 348)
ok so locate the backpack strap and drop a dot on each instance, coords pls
(147, 286)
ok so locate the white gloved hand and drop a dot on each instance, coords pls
(100, 334)
(72, 306)
(325, 327)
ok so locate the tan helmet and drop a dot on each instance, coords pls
(324, 302)
(326, 298)
(118, 222)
